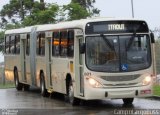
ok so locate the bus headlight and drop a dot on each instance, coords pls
(93, 82)
(147, 80)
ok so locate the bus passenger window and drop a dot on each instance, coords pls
(41, 44)
(28, 45)
(12, 46)
(63, 43)
(17, 40)
(37, 44)
(7, 44)
(55, 44)
(70, 43)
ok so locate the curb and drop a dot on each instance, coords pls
(156, 97)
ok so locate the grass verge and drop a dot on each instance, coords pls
(156, 90)
(7, 85)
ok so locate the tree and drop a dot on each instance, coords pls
(27, 13)
(79, 9)
(89, 6)
(75, 11)
(41, 16)
(1, 35)
(1, 40)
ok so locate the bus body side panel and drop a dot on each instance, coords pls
(40, 65)
(12, 61)
(28, 70)
(60, 68)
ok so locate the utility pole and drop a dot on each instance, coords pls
(22, 12)
(132, 8)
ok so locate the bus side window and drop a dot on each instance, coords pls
(12, 46)
(42, 45)
(70, 43)
(63, 43)
(7, 44)
(28, 45)
(55, 44)
(17, 41)
(38, 40)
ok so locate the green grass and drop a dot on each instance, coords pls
(156, 90)
(7, 85)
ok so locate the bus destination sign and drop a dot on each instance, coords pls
(109, 27)
(112, 27)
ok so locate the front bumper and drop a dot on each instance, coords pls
(117, 93)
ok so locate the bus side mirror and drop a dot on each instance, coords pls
(82, 48)
(152, 38)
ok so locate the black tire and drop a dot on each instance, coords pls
(70, 95)
(18, 85)
(26, 87)
(44, 92)
(128, 101)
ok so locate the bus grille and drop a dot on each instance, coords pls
(120, 78)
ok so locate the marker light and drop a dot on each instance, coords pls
(147, 80)
(94, 83)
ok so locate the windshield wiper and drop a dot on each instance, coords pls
(131, 41)
(107, 42)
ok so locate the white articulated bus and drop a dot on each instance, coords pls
(83, 59)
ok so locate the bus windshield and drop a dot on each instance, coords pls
(118, 53)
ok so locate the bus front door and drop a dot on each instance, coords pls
(79, 63)
(23, 38)
(48, 47)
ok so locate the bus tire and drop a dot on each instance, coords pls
(128, 101)
(18, 85)
(70, 94)
(44, 92)
(26, 87)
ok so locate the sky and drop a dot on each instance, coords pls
(147, 10)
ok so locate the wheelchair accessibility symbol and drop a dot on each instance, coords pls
(124, 67)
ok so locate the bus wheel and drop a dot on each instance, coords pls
(128, 101)
(26, 87)
(18, 85)
(44, 92)
(73, 100)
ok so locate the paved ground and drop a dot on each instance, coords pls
(13, 102)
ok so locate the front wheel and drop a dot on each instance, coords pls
(128, 101)
(18, 85)
(70, 95)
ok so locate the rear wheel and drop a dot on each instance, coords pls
(128, 101)
(18, 85)
(70, 95)
(44, 92)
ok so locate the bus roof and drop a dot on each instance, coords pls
(63, 25)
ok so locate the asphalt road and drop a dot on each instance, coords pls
(13, 102)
